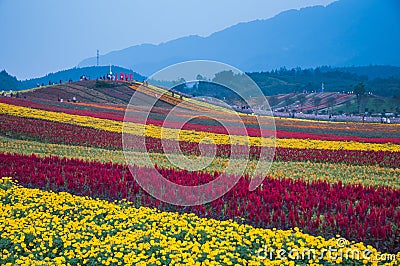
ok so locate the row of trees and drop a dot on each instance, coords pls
(297, 80)
(8, 82)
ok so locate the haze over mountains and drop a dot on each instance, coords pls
(344, 33)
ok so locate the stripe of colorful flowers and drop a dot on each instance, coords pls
(286, 128)
(18, 125)
(45, 227)
(309, 171)
(55, 132)
(366, 214)
(188, 103)
(189, 135)
(68, 108)
(369, 130)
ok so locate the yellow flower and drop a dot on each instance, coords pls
(142, 235)
(188, 135)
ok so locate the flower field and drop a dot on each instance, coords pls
(286, 128)
(45, 227)
(153, 131)
(68, 197)
(318, 208)
(70, 134)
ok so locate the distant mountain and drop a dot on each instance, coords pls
(73, 74)
(344, 33)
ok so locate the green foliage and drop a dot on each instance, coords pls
(210, 89)
(371, 104)
(359, 89)
(8, 82)
(284, 81)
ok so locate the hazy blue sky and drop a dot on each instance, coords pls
(44, 36)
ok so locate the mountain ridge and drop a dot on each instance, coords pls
(344, 33)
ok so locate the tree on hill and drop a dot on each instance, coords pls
(359, 91)
(316, 102)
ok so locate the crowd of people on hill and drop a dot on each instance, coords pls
(50, 83)
(10, 94)
(74, 100)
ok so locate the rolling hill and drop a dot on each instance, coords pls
(8, 82)
(103, 96)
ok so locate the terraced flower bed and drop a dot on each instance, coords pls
(41, 227)
(359, 213)
(78, 203)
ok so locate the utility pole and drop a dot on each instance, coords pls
(97, 57)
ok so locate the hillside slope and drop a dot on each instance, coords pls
(108, 95)
(84, 91)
